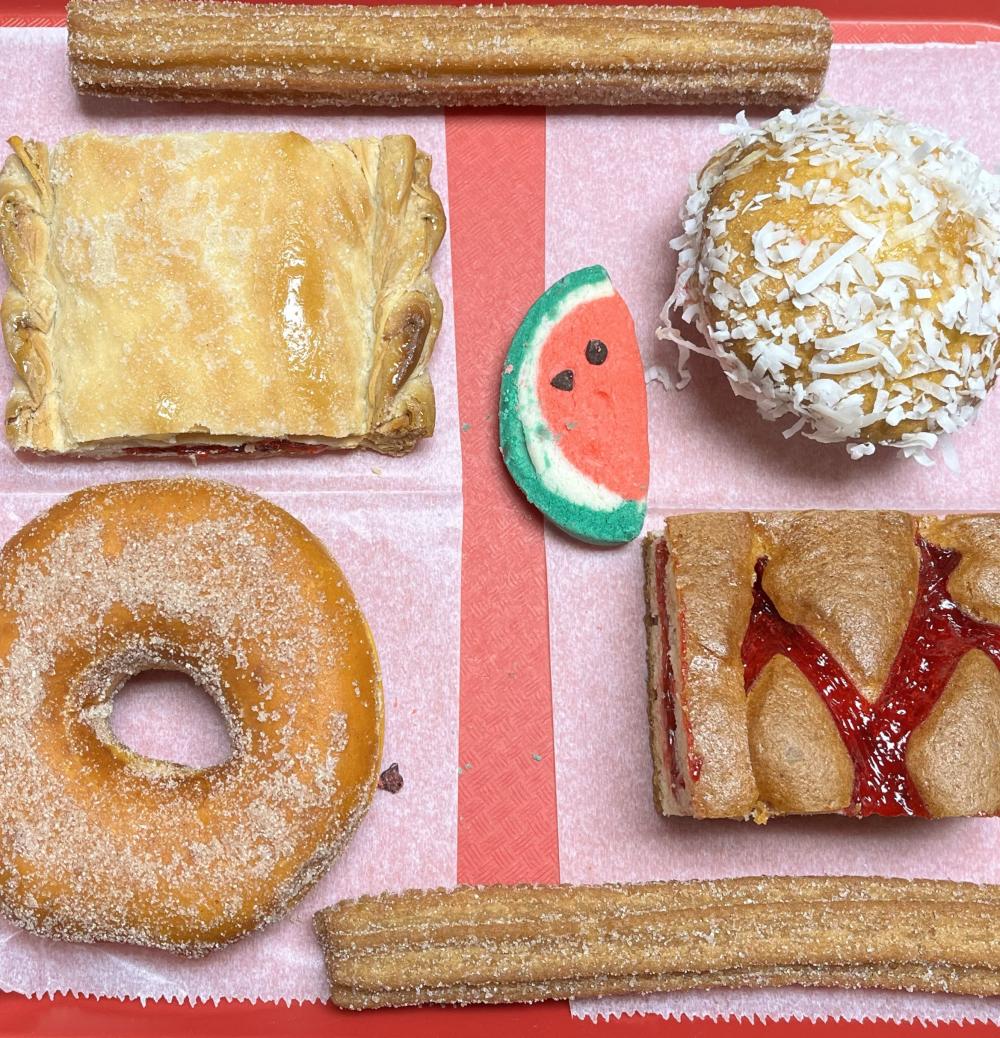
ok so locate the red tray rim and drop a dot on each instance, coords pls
(969, 21)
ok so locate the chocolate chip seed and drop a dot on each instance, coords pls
(597, 352)
(564, 380)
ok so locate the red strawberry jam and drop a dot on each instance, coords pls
(207, 450)
(876, 734)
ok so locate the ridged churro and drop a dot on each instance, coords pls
(530, 943)
(191, 50)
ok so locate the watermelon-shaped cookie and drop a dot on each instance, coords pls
(573, 410)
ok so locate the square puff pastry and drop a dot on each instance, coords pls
(215, 292)
(824, 662)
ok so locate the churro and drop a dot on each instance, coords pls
(428, 55)
(530, 943)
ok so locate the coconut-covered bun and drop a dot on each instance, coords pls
(844, 267)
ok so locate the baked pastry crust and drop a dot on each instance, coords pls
(824, 662)
(230, 290)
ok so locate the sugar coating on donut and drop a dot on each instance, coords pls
(844, 267)
(100, 843)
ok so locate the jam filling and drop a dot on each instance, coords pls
(668, 689)
(208, 450)
(876, 734)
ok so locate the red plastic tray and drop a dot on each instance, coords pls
(507, 816)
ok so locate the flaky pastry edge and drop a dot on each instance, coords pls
(407, 313)
(28, 310)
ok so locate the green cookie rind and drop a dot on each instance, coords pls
(617, 526)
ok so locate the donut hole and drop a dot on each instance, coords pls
(167, 715)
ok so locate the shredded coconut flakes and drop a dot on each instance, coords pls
(892, 324)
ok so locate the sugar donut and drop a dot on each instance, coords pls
(100, 843)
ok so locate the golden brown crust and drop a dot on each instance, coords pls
(798, 758)
(242, 289)
(408, 309)
(428, 55)
(711, 612)
(205, 578)
(28, 308)
(663, 795)
(849, 577)
(975, 583)
(493, 944)
(953, 755)
(849, 581)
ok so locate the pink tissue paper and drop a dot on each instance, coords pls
(710, 450)
(394, 527)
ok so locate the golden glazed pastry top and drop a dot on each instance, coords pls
(844, 268)
(219, 288)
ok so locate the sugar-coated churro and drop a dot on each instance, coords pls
(196, 50)
(529, 943)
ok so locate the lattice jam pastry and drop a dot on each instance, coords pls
(817, 662)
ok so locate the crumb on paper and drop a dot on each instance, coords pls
(390, 780)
